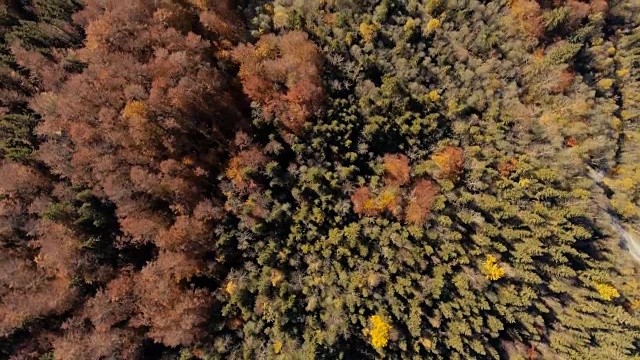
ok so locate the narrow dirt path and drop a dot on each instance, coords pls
(630, 241)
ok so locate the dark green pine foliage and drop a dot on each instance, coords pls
(414, 78)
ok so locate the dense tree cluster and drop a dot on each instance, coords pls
(330, 179)
(282, 75)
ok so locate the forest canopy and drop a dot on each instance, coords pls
(319, 179)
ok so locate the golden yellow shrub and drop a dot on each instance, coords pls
(491, 268)
(622, 73)
(379, 332)
(134, 109)
(607, 292)
(276, 277)
(605, 84)
(277, 346)
(234, 172)
(231, 287)
(433, 24)
(368, 32)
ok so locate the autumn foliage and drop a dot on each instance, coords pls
(397, 169)
(130, 169)
(245, 161)
(282, 74)
(450, 162)
(507, 166)
(360, 197)
(529, 16)
(379, 332)
(420, 202)
(546, 18)
(135, 144)
(397, 198)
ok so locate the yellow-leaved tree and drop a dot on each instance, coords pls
(379, 332)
